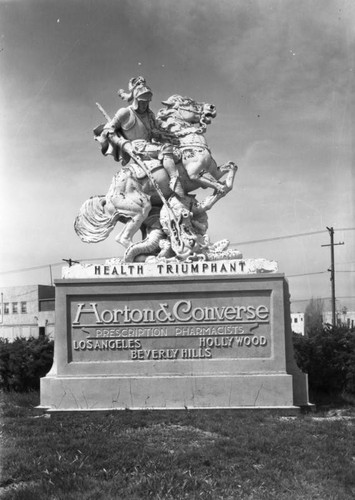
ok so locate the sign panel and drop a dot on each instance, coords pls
(196, 326)
(116, 270)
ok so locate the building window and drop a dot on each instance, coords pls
(296, 320)
(14, 308)
(23, 307)
(6, 308)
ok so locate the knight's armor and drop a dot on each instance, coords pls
(140, 130)
(137, 127)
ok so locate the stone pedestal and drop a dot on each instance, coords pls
(173, 343)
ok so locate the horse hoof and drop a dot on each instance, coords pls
(123, 241)
(229, 166)
(222, 189)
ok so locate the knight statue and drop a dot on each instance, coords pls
(163, 159)
(133, 129)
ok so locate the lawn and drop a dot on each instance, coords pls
(174, 454)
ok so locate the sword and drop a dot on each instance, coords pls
(103, 112)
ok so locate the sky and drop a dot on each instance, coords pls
(281, 74)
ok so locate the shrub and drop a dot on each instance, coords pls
(328, 356)
(23, 362)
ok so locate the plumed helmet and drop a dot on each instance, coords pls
(134, 82)
(137, 89)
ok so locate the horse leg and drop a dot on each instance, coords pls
(139, 211)
(230, 169)
(133, 205)
(220, 171)
(208, 181)
(198, 172)
(124, 238)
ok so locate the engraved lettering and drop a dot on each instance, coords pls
(262, 312)
(177, 307)
(167, 315)
(108, 313)
(81, 310)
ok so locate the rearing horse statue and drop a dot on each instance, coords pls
(137, 194)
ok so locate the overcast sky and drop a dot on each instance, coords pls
(281, 74)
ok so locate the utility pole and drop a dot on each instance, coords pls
(2, 308)
(332, 270)
(71, 261)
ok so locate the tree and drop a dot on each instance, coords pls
(328, 356)
(313, 316)
(344, 311)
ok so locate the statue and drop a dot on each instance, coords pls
(163, 159)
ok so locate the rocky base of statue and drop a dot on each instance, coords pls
(177, 342)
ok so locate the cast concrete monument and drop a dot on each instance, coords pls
(164, 159)
(179, 321)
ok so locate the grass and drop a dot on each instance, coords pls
(174, 455)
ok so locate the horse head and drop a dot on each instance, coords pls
(187, 110)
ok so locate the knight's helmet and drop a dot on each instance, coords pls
(137, 90)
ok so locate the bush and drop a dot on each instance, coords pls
(328, 356)
(23, 362)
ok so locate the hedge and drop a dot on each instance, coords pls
(23, 362)
(328, 356)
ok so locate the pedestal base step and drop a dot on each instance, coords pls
(167, 392)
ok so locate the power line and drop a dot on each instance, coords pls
(305, 274)
(31, 268)
(46, 265)
(324, 298)
(232, 244)
(318, 272)
(289, 236)
(277, 238)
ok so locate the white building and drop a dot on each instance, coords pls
(297, 323)
(343, 318)
(27, 311)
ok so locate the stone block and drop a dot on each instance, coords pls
(173, 343)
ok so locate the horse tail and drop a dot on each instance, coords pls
(92, 224)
